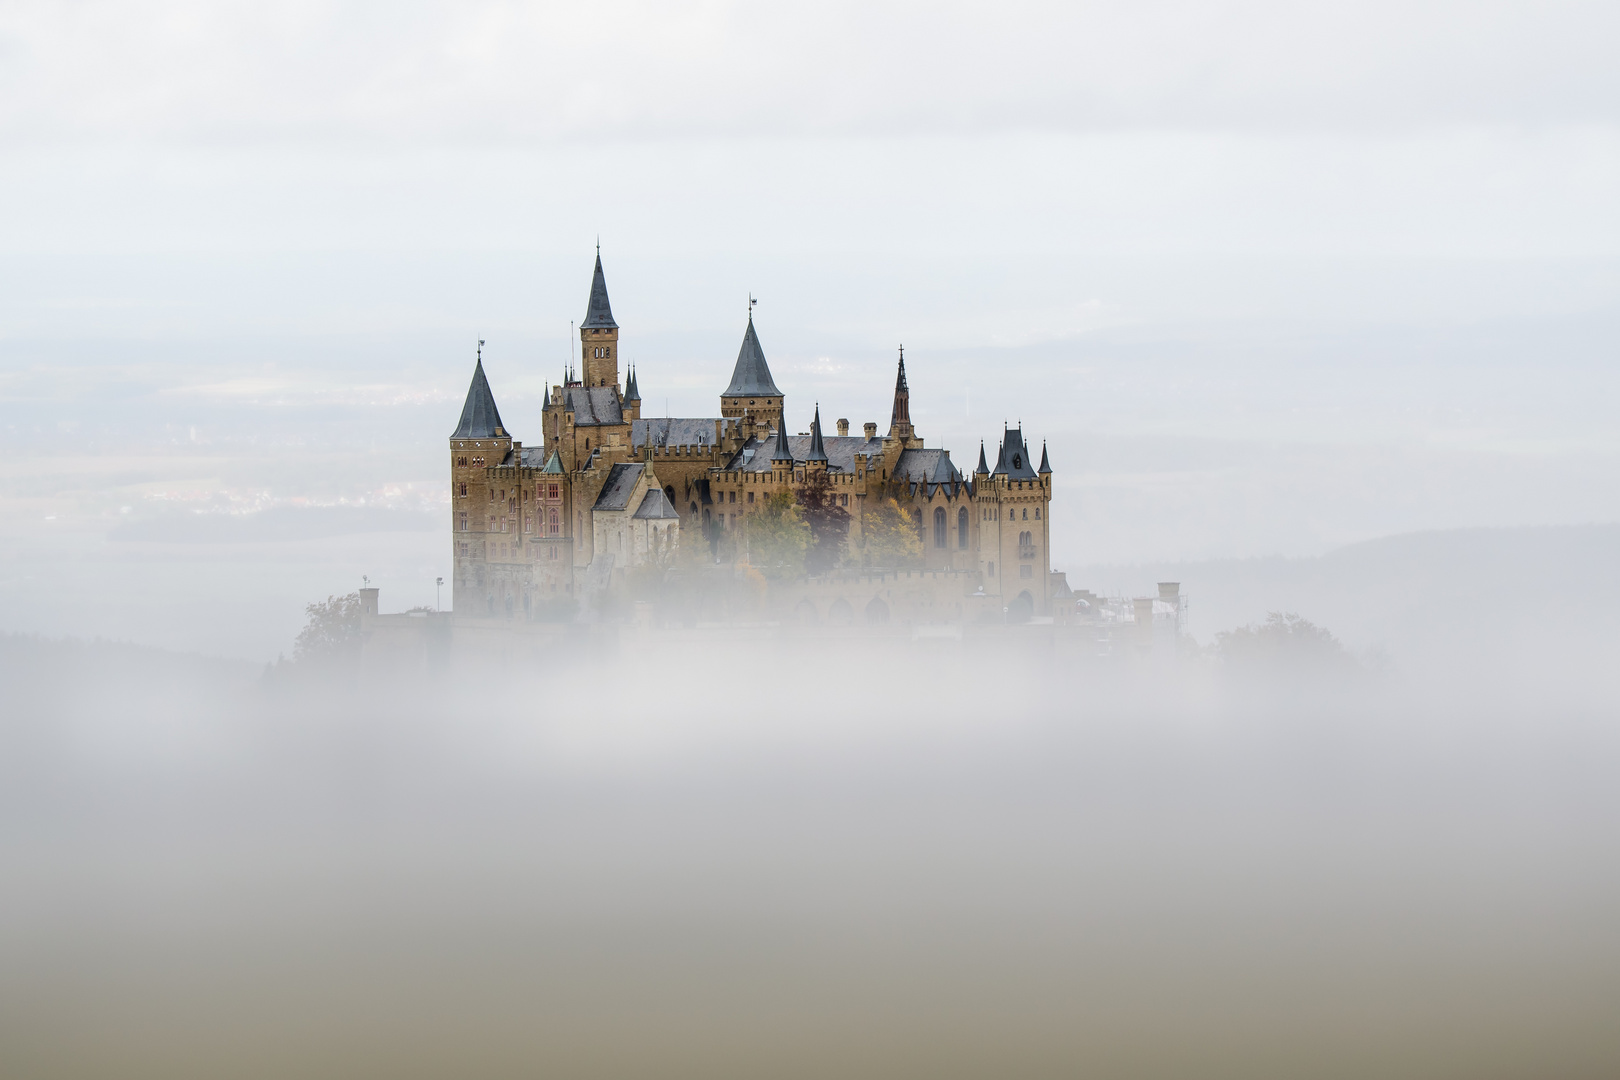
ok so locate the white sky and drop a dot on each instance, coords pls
(1269, 277)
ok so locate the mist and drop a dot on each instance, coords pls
(1314, 306)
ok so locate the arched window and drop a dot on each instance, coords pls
(939, 526)
(1037, 513)
(962, 528)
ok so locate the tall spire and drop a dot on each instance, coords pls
(752, 376)
(984, 466)
(783, 451)
(900, 418)
(598, 312)
(631, 391)
(1045, 465)
(480, 419)
(818, 452)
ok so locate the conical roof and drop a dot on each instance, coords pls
(1046, 466)
(782, 452)
(598, 312)
(553, 464)
(480, 419)
(1014, 461)
(984, 466)
(818, 451)
(752, 376)
(631, 391)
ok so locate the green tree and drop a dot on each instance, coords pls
(778, 538)
(828, 522)
(891, 540)
(1284, 644)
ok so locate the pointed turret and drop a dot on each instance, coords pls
(984, 466)
(900, 418)
(818, 452)
(783, 451)
(1046, 466)
(752, 376)
(480, 419)
(598, 312)
(631, 391)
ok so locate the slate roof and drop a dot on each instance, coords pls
(621, 482)
(598, 312)
(538, 457)
(1013, 461)
(818, 450)
(480, 419)
(593, 406)
(983, 466)
(655, 507)
(677, 431)
(933, 466)
(756, 454)
(1046, 466)
(752, 376)
(631, 391)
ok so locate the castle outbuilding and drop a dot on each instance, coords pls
(604, 491)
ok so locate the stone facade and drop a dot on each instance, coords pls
(537, 528)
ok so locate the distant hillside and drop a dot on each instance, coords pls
(1543, 595)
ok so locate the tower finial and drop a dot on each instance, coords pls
(751, 303)
(480, 350)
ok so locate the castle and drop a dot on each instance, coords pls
(604, 491)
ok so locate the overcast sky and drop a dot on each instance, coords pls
(1269, 278)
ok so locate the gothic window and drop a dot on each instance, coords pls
(939, 526)
(551, 491)
(1037, 513)
(464, 525)
(1026, 513)
(750, 496)
(962, 528)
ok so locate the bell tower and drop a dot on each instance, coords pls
(599, 334)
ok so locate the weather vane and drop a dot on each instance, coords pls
(480, 350)
(751, 303)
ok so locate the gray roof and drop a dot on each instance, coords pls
(538, 457)
(631, 391)
(934, 466)
(655, 506)
(752, 376)
(593, 405)
(1046, 466)
(621, 482)
(1013, 461)
(480, 419)
(818, 450)
(840, 450)
(677, 431)
(983, 466)
(598, 312)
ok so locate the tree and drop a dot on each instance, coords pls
(1284, 644)
(891, 537)
(828, 522)
(332, 633)
(778, 538)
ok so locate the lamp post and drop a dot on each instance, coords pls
(438, 583)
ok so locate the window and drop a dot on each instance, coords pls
(843, 500)
(551, 491)
(962, 528)
(939, 526)
(732, 496)
(465, 548)
(750, 496)
(1026, 570)
(1026, 513)
(464, 527)
(527, 523)
(1037, 513)
(990, 569)
(461, 463)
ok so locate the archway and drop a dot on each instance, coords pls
(805, 613)
(877, 612)
(841, 614)
(1022, 609)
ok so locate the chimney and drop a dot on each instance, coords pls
(368, 606)
(1170, 592)
(843, 426)
(870, 428)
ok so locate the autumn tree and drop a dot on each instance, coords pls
(778, 537)
(828, 522)
(331, 634)
(891, 540)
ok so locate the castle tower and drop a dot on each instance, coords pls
(752, 392)
(479, 444)
(900, 419)
(817, 457)
(632, 397)
(599, 334)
